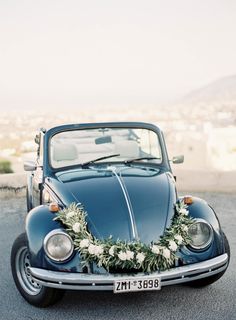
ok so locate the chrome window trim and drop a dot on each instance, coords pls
(54, 197)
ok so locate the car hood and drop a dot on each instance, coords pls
(128, 203)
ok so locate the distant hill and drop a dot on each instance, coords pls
(219, 92)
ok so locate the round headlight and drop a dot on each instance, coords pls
(58, 245)
(201, 234)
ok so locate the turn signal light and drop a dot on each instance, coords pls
(188, 200)
(54, 207)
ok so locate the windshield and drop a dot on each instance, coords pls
(76, 147)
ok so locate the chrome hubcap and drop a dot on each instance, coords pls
(22, 269)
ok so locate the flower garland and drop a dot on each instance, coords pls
(159, 255)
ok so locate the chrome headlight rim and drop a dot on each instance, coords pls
(208, 243)
(47, 238)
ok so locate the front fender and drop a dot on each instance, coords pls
(200, 209)
(39, 222)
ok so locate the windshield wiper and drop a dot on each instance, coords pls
(98, 159)
(141, 158)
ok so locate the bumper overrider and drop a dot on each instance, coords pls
(88, 281)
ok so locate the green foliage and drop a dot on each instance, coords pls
(5, 166)
(110, 253)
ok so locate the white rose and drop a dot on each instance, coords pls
(122, 255)
(140, 257)
(111, 251)
(129, 255)
(76, 227)
(183, 211)
(155, 249)
(179, 238)
(166, 253)
(95, 250)
(84, 243)
(98, 250)
(91, 248)
(172, 245)
(70, 214)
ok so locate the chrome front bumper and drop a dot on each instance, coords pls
(88, 281)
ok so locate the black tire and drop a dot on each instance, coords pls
(209, 280)
(32, 292)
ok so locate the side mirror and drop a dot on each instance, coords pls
(178, 159)
(29, 165)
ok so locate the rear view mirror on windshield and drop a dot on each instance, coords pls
(101, 140)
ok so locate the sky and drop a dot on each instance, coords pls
(82, 53)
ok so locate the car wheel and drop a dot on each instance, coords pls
(209, 280)
(33, 292)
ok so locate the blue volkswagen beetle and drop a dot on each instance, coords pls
(104, 214)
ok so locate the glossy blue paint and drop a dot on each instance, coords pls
(39, 223)
(151, 192)
(101, 195)
(201, 209)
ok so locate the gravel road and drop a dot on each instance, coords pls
(214, 302)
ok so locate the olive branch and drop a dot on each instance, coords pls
(157, 256)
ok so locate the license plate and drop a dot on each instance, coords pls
(138, 284)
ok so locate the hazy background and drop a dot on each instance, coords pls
(172, 63)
